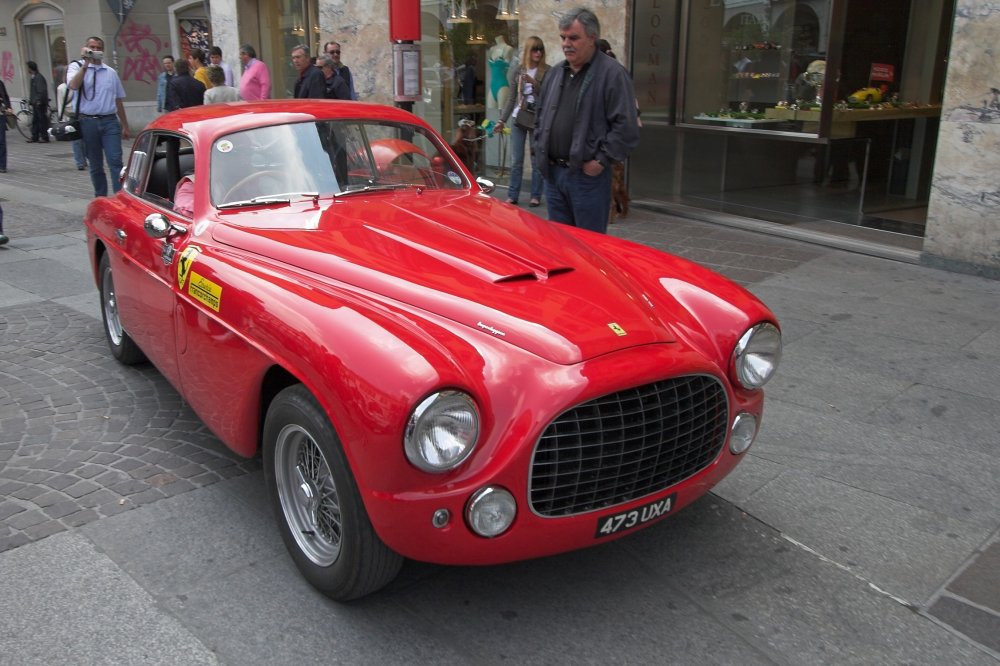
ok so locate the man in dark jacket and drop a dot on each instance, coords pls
(311, 84)
(38, 97)
(335, 85)
(586, 122)
(184, 90)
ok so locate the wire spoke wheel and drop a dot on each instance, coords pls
(123, 348)
(308, 495)
(315, 497)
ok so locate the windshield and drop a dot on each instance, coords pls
(328, 158)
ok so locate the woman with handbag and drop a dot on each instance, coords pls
(521, 108)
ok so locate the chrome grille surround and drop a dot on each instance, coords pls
(627, 445)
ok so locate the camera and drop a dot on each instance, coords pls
(96, 55)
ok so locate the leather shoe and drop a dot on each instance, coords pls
(3, 239)
(32, 140)
(81, 167)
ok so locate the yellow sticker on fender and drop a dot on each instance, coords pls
(185, 263)
(204, 290)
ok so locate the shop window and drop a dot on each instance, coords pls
(755, 65)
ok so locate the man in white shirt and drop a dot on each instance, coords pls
(215, 58)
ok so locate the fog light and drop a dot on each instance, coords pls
(491, 511)
(743, 432)
(440, 518)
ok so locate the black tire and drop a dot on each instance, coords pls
(24, 123)
(316, 502)
(123, 348)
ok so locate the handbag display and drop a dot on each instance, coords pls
(67, 130)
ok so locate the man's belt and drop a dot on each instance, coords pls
(555, 161)
(99, 116)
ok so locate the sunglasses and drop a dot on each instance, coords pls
(538, 48)
(331, 52)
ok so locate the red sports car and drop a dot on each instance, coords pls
(427, 372)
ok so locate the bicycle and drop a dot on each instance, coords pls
(24, 116)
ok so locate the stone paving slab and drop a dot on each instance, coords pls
(62, 602)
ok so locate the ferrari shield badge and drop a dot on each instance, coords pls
(619, 331)
(184, 265)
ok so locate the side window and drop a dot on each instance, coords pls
(138, 165)
(171, 158)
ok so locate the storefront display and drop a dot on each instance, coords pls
(793, 111)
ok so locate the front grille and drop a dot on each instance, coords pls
(627, 445)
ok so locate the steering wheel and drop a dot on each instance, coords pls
(253, 178)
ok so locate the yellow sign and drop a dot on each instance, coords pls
(204, 290)
(185, 263)
(619, 331)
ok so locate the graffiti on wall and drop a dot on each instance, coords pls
(7, 66)
(142, 53)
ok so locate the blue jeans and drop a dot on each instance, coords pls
(103, 135)
(577, 199)
(78, 156)
(517, 138)
(3, 143)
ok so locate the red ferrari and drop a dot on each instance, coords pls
(427, 372)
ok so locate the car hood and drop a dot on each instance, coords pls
(489, 266)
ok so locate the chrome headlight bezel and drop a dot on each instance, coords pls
(756, 356)
(442, 431)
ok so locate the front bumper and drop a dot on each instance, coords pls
(430, 525)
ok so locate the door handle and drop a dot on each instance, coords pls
(120, 233)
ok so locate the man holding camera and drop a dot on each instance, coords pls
(101, 100)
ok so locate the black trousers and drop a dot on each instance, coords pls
(40, 122)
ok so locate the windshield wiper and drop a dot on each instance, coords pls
(378, 187)
(270, 199)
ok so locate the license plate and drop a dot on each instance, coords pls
(627, 520)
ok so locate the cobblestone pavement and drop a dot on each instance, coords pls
(81, 437)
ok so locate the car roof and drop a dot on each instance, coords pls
(211, 120)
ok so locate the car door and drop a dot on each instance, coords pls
(149, 273)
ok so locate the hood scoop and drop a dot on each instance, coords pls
(491, 263)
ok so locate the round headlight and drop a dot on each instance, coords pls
(742, 433)
(756, 355)
(442, 431)
(490, 512)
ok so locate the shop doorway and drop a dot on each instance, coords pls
(45, 44)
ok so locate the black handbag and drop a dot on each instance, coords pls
(67, 130)
(525, 118)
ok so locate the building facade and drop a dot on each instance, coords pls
(843, 118)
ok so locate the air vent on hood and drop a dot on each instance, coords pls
(521, 277)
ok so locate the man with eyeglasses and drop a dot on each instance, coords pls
(586, 121)
(333, 49)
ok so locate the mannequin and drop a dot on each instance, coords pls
(498, 89)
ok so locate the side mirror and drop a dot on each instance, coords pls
(158, 226)
(486, 185)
